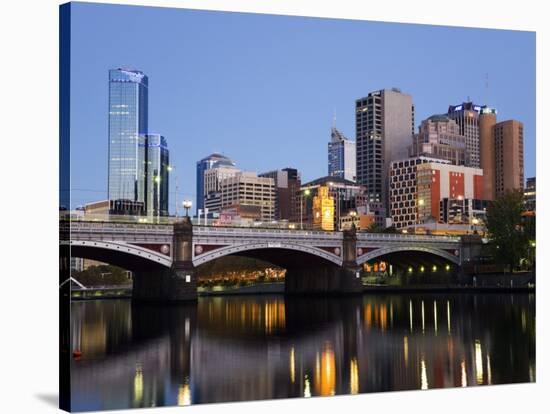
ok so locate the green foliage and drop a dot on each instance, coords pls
(103, 275)
(507, 229)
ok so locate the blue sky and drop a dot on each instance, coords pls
(263, 89)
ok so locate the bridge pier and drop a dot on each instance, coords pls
(177, 284)
(328, 279)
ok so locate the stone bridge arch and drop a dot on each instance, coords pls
(373, 254)
(126, 255)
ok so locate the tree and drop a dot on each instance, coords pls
(505, 227)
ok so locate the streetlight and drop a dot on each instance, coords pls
(187, 204)
(306, 192)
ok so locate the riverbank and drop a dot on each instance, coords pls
(122, 292)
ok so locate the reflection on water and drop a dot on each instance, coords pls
(247, 348)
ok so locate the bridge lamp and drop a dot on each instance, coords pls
(475, 221)
(434, 268)
(307, 191)
(410, 269)
(422, 268)
(447, 267)
(533, 244)
(421, 202)
(157, 179)
(404, 231)
(187, 204)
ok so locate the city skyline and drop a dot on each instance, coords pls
(239, 127)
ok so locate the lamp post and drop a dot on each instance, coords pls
(157, 187)
(306, 192)
(187, 204)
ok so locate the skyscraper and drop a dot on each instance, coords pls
(341, 156)
(487, 120)
(384, 122)
(203, 165)
(128, 115)
(156, 175)
(466, 115)
(508, 138)
(439, 137)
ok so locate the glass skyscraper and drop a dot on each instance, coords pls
(128, 115)
(156, 174)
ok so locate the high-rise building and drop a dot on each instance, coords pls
(487, 120)
(341, 156)
(128, 118)
(466, 115)
(530, 194)
(508, 139)
(156, 175)
(212, 178)
(384, 128)
(439, 137)
(246, 188)
(203, 165)
(287, 185)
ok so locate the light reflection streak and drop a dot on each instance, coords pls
(138, 385)
(448, 317)
(184, 393)
(423, 375)
(411, 315)
(479, 362)
(463, 378)
(292, 366)
(489, 373)
(354, 377)
(406, 350)
(435, 317)
(423, 321)
(307, 387)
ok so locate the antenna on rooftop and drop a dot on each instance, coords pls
(334, 117)
(486, 88)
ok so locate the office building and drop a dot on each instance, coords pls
(128, 117)
(487, 120)
(508, 141)
(157, 160)
(287, 186)
(384, 129)
(212, 178)
(530, 194)
(466, 115)
(246, 188)
(419, 184)
(341, 156)
(202, 166)
(439, 137)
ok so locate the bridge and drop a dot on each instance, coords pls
(164, 257)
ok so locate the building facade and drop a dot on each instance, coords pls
(384, 124)
(246, 188)
(530, 194)
(202, 166)
(323, 210)
(419, 184)
(439, 137)
(341, 156)
(157, 161)
(128, 122)
(508, 140)
(466, 115)
(212, 178)
(487, 121)
(287, 186)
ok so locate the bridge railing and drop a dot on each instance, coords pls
(407, 237)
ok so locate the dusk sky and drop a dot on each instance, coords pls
(262, 89)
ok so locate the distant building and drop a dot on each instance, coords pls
(466, 115)
(508, 139)
(419, 184)
(203, 165)
(246, 188)
(384, 124)
(347, 196)
(287, 186)
(97, 208)
(341, 156)
(530, 194)
(212, 178)
(156, 175)
(128, 121)
(487, 121)
(439, 137)
(323, 210)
